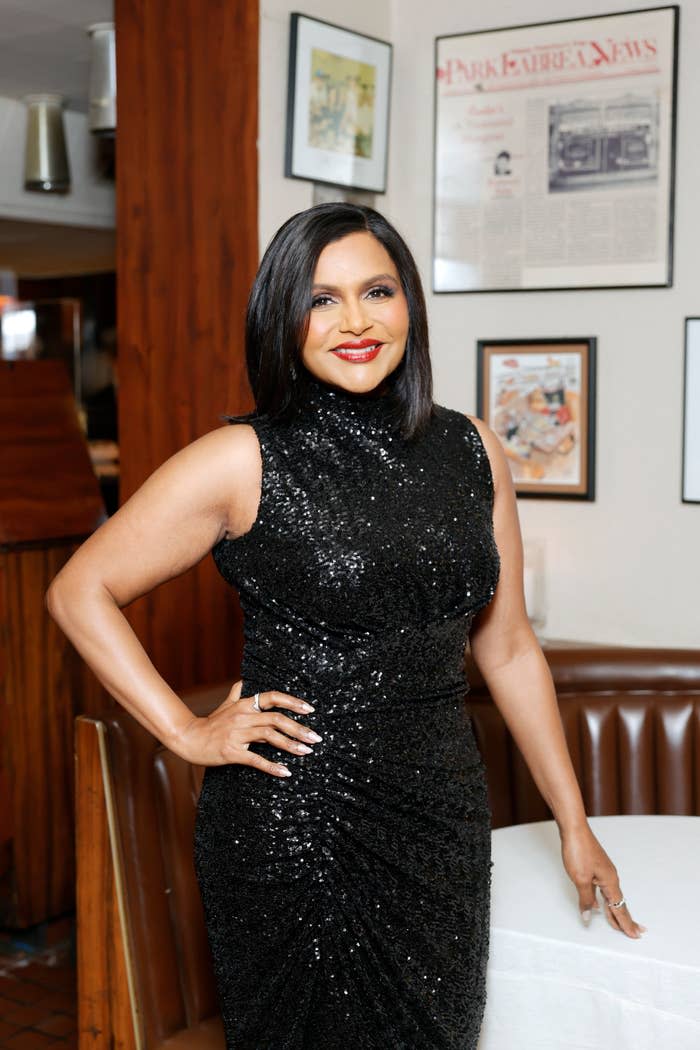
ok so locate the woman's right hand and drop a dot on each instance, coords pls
(223, 736)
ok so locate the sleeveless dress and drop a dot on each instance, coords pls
(348, 904)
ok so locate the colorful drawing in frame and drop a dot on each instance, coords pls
(341, 104)
(337, 106)
(538, 396)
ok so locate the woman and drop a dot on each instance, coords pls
(346, 889)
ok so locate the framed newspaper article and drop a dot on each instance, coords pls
(538, 396)
(691, 412)
(337, 105)
(554, 155)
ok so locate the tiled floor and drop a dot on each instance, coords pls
(37, 995)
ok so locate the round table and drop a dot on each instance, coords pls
(555, 984)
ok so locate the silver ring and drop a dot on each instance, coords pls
(256, 703)
(618, 905)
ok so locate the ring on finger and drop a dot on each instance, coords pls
(256, 702)
(618, 904)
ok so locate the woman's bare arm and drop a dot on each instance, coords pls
(508, 655)
(512, 663)
(207, 491)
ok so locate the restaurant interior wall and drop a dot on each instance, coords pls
(623, 569)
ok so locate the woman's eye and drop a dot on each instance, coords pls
(321, 300)
(380, 292)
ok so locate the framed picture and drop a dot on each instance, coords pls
(337, 106)
(691, 412)
(554, 154)
(538, 395)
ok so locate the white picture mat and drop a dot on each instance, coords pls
(327, 165)
(521, 228)
(691, 436)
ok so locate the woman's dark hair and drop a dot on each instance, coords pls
(277, 318)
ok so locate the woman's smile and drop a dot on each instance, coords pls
(363, 350)
(358, 321)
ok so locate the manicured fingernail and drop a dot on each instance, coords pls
(307, 707)
(313, 736)
(284, 771)
(304, 749)
(643, 929)
(586, 916)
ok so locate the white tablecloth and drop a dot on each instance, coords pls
(555, 984)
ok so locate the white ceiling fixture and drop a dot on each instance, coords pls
(46, 157)
(102, 114)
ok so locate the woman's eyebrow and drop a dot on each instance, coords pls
(365, 284)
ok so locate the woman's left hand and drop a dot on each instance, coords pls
(588, 865)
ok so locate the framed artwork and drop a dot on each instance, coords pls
(337, 105)
(554, 154)
(691, 412)
(538, 395)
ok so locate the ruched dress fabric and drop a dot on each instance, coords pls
(348, 904)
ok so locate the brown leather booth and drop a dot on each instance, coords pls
(632, 720)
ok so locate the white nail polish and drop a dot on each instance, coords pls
(586, 916)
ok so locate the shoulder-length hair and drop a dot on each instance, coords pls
(277, 317)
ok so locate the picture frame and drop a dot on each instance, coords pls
(554, 154)
(538, 396)
(338, 103)
(690, 485)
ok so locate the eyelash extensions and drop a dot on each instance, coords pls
(320, 300)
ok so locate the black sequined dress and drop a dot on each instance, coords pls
(348, 904)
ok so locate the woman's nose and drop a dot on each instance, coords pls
(354, 318)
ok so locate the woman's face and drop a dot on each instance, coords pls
(358, 324)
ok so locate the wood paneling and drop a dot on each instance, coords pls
(187, 252)
(43, 685)
(49, 499)
(48, 490)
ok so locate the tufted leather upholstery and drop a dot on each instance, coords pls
(632, 720)
(632, 723)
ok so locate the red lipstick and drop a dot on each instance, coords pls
(357, 351)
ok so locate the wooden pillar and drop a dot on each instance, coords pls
(187, 251)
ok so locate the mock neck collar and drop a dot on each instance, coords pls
(326, 402)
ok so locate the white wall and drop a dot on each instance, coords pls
(624, 569)
(90, 201)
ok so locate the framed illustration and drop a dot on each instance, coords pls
(538, 395)
(554, 154)
(337, 106)
(691, 412)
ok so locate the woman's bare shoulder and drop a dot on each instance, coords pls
(218, 473)
(232, 445)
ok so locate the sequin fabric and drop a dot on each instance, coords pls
(349, 902)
